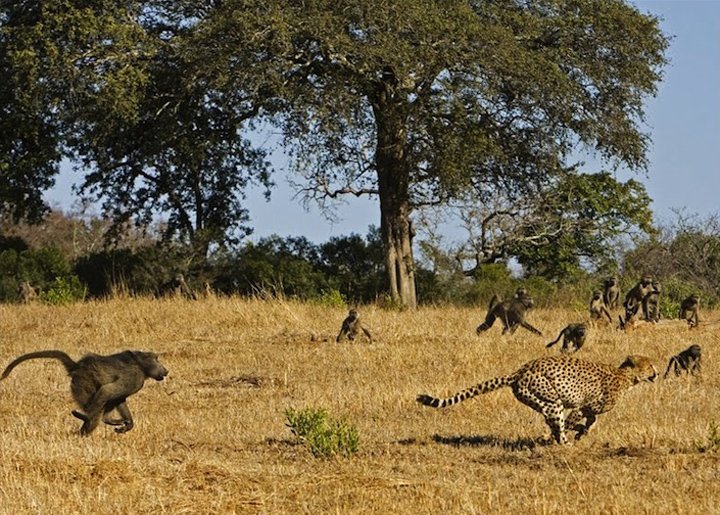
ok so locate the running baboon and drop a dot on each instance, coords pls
(611, 293)
(177, 286)
(351, 326)
(101, 384)
(688, 361)
(598, 308)
(27, 292)
(634, 298)
(574, 334)
(510, 312)
(651, 303)
(690, 310)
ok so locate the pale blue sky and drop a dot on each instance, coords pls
(684, 121)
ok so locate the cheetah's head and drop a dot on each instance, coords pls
(640, 368)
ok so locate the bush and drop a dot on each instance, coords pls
(713, 439)
(323, 435)
(64, 291)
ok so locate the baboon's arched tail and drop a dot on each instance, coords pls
(487, 386)
(59, 355)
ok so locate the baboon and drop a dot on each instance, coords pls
(178, 287)
(351, 326)
(573, 338)
(598, 307)
(521, 292)
(634, 298)
(510, 312)
(651, 303)
(101, 384)
(27, 292)
(611, 293)
(687, 361)
(690, 310)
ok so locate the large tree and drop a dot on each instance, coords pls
(118, 88)
(418, 101)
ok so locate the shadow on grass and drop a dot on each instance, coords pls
(518, 444)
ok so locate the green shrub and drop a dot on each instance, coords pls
(322, 434)
(64, 290)
(713, 439)
(331, 299)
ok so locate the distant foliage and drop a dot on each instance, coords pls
(322, 434)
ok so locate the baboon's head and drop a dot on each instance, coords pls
(694, 350)
(646, 281)
(150, 364)
(656, 287)
(353, 314)
(581, 330)
(597, 295)
(640, 368)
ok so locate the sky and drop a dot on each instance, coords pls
(683, 121)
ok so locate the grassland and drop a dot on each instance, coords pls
(212, 437)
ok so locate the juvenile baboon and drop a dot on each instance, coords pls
(598, 308)
(101, 384)
(651, 303)
(177, 286)
(573, 338)
(511, 312)
(611, 293)
(351, 326)
(690, 310)
(687, 361)
(27, 292)
(521, 292)
(634, 298)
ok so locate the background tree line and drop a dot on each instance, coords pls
(65, 258)
(416, 103)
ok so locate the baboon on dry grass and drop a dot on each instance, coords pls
(690, 310)
(611, 292)
(510, 312)
(564, 389)
(573, 336)
(598, 307)
(651, 303)
(687, 361)
(27, 292)
(177, 286)
(351, 326)
(101, 384)
(634, 298)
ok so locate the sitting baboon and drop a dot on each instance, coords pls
(27, 292)
(573, 338)
(510, 312)
(598, 308)
(611, 293)
(690, 310)
(634, 298)
(651, 303)
(177, 286)
(351, 326)
(101, 384)
(687, 361)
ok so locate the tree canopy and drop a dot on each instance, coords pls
(415, 102)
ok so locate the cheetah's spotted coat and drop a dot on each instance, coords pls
(564, 389)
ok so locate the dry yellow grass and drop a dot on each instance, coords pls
(212, 439)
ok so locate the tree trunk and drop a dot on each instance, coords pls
(393, 186)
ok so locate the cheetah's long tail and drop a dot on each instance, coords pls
(478, 389)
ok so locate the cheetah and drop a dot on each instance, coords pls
(563, 389)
